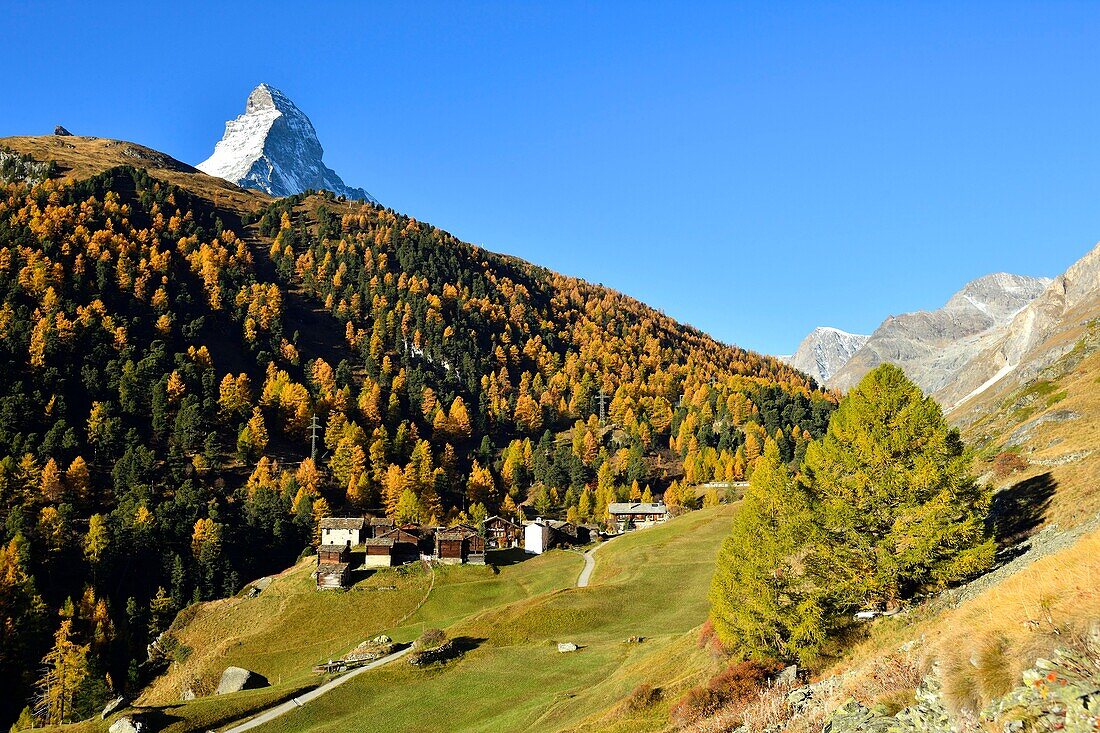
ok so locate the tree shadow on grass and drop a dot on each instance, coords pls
(467, 643)
(509, 556)
(1018, 511)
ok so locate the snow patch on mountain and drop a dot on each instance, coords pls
(825, 351)
(273, 147)
(936, 347)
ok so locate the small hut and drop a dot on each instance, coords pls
(378, 552)
(332, 576)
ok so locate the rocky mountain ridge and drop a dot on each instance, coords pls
(274, 148)
(932, 346)
(825, 351)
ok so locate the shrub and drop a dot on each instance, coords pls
(708, 639)
(430, 639)
(731, 690)
(642, 697)
(696, 704)
(1007, 463)
(742, 681)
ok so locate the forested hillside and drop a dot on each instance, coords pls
(165, 349)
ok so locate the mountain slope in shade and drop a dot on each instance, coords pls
(933, 347)
(273, 147)
(825, 351)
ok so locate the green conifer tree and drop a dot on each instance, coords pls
(897, 505)
(763, 604)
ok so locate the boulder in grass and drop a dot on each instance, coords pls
(564, 647)
(127, 724)
(235, 679)
(113, 706)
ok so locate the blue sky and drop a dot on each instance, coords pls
(754, 169)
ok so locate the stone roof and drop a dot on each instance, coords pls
(378, 542)
(499, 518)
(342, 523)
(380, 522)
(452, 535)
(627, 507)
(332, 567)
(331, 548)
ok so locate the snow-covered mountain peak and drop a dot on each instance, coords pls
(825, 351)
(273, 147)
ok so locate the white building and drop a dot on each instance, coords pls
(345, 531)
(536, 537)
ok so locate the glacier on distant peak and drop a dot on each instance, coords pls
(273, 147)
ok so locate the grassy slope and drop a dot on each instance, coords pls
(82, 157)
(986, 642)
(290, 627)
(651, 584)
(1072, 384)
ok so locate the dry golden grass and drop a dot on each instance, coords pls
(984, 645)
(82, 157)
(1077, 495)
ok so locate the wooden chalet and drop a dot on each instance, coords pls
(459, 544)
(407, 542)
(628, 515)
(378, 552)
(333, 576)
(333, 554)
(378, 526)
(501, 533)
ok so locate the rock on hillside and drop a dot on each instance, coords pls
(273, 148)
(825, 351)
(934, 347)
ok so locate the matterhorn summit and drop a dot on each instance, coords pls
(273, 147)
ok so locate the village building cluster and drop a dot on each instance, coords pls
(377, 542)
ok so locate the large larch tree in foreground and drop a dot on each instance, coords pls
(897, 507)
(885, 506)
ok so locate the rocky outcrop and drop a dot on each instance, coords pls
(445, 651)
(127, 724)
(273, 148)
(235, 679)
(1059, 694)
(1038, 336)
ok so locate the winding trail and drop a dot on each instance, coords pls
(589, 566)
(297, 702)
(590, 563)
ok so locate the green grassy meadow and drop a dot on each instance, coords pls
(651, 584)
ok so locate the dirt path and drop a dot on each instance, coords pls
(590, 564)
(297, 702)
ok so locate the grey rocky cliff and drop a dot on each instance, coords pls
(825, 351)
(273, 147)
(934, 347)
